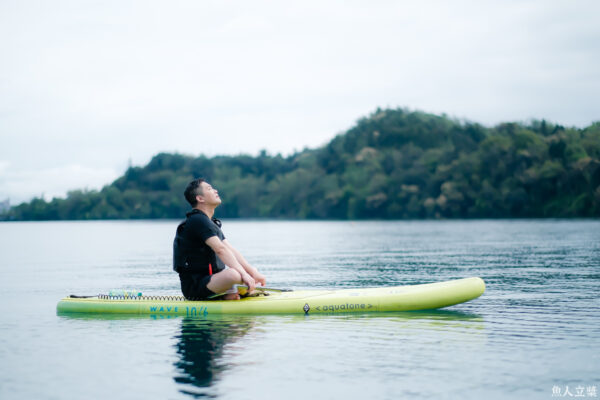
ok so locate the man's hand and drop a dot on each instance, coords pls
(249, 281)
(259, 278)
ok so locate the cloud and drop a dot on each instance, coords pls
(22, 185)
(95, 84)
(245, 24)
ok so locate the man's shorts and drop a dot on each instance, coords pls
(193, 286)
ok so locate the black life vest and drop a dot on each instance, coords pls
(180, 246)
(190, 256)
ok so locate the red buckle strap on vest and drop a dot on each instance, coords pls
(210, 269)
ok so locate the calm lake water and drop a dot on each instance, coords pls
(535, 333)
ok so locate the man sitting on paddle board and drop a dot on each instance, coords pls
(206, 262)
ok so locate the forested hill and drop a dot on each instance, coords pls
(393, 164)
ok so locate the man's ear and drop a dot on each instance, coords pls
(200, 199)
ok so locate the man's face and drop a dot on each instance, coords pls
(209, 195)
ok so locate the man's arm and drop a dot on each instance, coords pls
(258, 277)
(228, 257)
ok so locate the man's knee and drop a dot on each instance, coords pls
(232, 275)
(223, 280)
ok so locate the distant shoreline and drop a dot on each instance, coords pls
(395, 164)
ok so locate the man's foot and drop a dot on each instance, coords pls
(231, 296)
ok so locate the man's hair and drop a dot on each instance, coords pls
(193, 189)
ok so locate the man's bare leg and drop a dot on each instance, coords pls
(223, 281)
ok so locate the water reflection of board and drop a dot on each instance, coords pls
(397, 298)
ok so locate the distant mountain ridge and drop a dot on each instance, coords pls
(393, 164)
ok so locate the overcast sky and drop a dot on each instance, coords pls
(88, 86)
